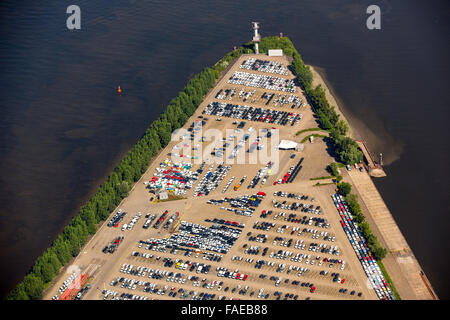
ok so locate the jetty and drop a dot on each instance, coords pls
(375, 169)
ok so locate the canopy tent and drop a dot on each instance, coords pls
(287, 145)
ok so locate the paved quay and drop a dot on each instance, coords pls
(401, 264)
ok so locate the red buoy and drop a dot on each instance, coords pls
(119, 91)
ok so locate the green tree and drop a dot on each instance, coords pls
(333, 169)
(365, 229)
(62, 250)
(18, 293)
(123, 189)
(44, 269)
(359, 217)
(33, 286)
(344, 188)
(341, 127)
(353, 204)
(379, 252)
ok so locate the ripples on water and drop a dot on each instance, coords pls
(63, 128)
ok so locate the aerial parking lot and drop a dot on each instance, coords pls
(230, 230)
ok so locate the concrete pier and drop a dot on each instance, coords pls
(401, 264)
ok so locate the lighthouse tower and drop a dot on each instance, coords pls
(256, 36)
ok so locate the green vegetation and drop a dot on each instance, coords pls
(341, 127)
(346, 148)
(306, 130)
(318, 184)
(375, 247)
(313, 135)
(322, 178)
(389, 280)
(344, 188)
(333, 169)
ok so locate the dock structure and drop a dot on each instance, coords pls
(403, 266)
(375, 169)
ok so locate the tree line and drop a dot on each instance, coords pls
(378, 251)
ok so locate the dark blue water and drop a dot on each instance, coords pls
(63, 128)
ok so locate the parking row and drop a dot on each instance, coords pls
(245, 112)
(173, 177)
(262, 81)
(211, 180)
(177, 278)
(359, 244)
(294, 206)
(264, 66)
(244, 205)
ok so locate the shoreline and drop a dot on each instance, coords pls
(400, 262)
(320, 79)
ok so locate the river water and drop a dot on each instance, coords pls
(63, 128)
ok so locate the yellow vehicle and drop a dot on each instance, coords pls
(178, 265)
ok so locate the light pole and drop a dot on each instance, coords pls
(256, 36)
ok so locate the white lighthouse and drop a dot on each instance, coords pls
(256, 36)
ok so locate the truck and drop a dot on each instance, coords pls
(171, 220)
(110, 248)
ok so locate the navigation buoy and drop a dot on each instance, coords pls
(119, 91)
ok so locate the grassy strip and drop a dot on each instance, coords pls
(310, 129)
(315, 135)
(318, 184)
(389, 280)
(322, 178)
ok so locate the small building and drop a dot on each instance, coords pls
(275, 53)
(162, 195)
